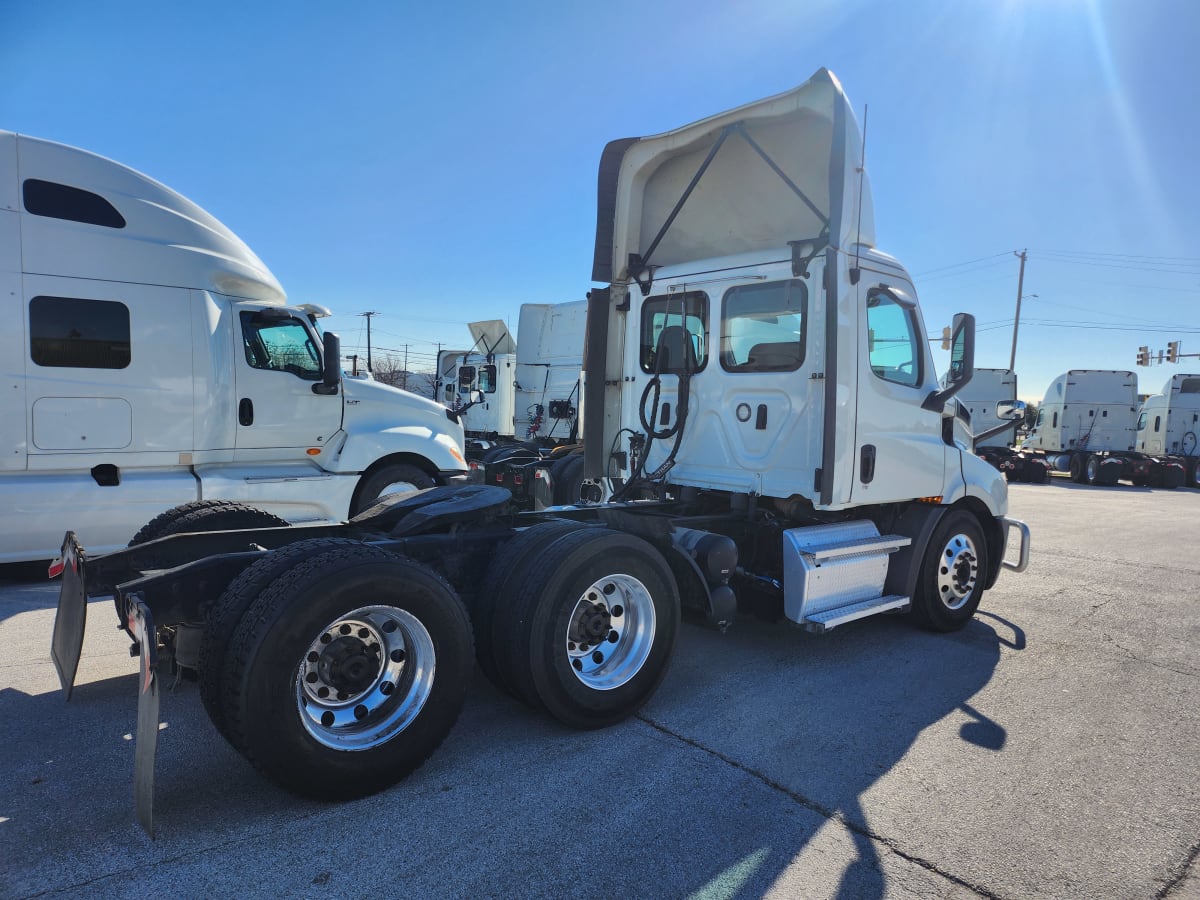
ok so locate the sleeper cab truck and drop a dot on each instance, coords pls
(760, 406)
(980, 400)
(150, 359)
(1169, 423)
(1087, 427)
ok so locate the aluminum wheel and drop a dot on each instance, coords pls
(611, 632)
(365, 678)
(958, 573)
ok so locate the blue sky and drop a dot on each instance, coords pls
(437, 162)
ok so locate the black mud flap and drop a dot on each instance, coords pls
(67, 642)
(141, 624)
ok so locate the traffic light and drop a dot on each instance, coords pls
(1143, 356)
(1172, 351)
(946, 338)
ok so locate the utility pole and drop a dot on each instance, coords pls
(373, 313)
(404, 377)
(1012, 360)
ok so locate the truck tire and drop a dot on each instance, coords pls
(1092, 470)
(1194, 473)
(567, 478)
(1173, 477)
(227, 612)
(205, 515)
(588, 633)
(1038, 473)
(394, 478)
(950, 583)
(1078, 472)
(506, 559)
(347, 672)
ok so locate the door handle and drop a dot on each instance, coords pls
(867, 463)
(246, 412)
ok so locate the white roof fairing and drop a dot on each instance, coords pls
(167, 239)
(807, 184)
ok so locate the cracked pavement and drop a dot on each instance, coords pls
(1049, 749)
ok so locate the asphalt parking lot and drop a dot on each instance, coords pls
(1050, 749)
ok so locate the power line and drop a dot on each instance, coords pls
(959, 265)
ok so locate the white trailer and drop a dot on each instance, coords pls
(1169, 423)
(762, 405)
(149, 359)
(1087, 426)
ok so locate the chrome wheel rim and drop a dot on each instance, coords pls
(396, 487)
(611, 632)
(365, 677)
(958, 572)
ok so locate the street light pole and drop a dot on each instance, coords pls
(1012, 360)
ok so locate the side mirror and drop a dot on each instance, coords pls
(962, 362)
(466, 377)
(1010, 409)
(331, 366)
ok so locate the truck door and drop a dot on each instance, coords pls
(277, 365)
(899, 450)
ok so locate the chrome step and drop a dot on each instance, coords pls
(883, 543)
(821, 622)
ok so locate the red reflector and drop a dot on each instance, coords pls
(517, 479)
(500, 478)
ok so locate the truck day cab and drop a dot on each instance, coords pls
(149, 359)
(762, 407)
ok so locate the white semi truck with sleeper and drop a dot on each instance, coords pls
(150, 359)
(1169, 423)
(995, 437)
(1087, 426)
(762, 410)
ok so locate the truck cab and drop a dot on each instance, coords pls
(150, 358)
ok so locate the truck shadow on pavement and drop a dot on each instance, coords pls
(758, 741)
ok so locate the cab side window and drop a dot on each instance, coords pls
(893, 343)
(763, 327)
(682, 318)
(280, 345)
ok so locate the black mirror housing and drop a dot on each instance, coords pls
(331, 366)
(962, 362)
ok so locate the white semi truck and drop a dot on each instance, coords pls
(995, 437)
(1169, 423)
(149, 359)
(762, 408)
(478, 384)
(1087, 426)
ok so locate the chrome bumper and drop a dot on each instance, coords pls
(1023, 555)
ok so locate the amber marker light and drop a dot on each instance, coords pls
(313, 451)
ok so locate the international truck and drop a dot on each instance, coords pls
(1169, 423)
(762, 410)
(149, 359)
(987, 391)
(1087, 426)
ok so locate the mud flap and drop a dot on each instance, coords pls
(67, 642)
(141, 624)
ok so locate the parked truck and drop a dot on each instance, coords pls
(1169, 422)
(762, 409)
(1087, 426)
(522, 408)
(150, 359)
(995, 438)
